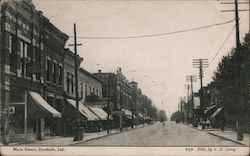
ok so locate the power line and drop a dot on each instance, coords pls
(223, 44)
(154, 35)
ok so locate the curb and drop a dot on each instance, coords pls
(105, 136)
(227, 139)
(83, 141)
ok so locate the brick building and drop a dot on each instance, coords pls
(32, 55)
(118, 90)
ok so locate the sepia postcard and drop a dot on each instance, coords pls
(124, 77)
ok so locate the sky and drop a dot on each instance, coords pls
(159, 64)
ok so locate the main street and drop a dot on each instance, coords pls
(171, 134)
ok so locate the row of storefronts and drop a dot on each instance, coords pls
(38, 95)
(212, 114)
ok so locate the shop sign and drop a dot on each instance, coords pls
(11, 110)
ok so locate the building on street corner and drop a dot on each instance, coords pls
(32, 54)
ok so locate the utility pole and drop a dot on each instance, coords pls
(77, 135)
(108, 126)
(188, 104)
(191, 79)
(201, 64)
(237, 25)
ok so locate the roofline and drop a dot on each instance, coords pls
(90, 74)
(72, 54)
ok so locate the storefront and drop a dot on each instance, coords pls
(88, 120)
(28, 111)
(128, 118)
(217, 117)
(103, 116)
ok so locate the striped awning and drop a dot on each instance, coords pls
(100, 113)
(84, 110)
(40, 107)
(216, 113)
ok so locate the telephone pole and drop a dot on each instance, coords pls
(201, 64)
(188, 103)
(191, 79)
(77, 133)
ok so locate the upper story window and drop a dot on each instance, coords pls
(28, 58)
(48, 68)
(72, 83)
(90, 90)
(100, 94)
(10, 44)
(96, 92)
(60, 74)
(68, 83)
(86, 90)
(81, 89)
(54, 70)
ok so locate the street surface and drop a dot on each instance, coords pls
(171, 134)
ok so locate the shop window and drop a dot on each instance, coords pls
(59, 105)
(17, 96)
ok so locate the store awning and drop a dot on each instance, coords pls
(216, 113)
(140, 115)
(100, 113)
(209, 109)
(128, 114)
(84, 110)
(40, 107)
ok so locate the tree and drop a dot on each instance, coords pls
(231, 79)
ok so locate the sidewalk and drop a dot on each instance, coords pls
(228, 134)
(231, 136)
(65, 141)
